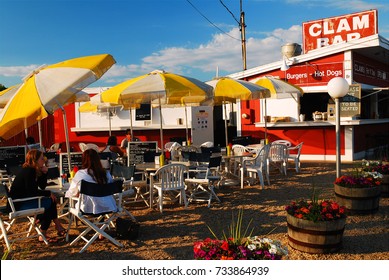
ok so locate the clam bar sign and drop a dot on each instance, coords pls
(330, 31)
(350, 104)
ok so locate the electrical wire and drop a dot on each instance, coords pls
(230, 12)
(194, 7)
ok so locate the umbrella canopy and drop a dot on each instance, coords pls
(158, 87)
(279, 89)
(230, 90)
(6, 95)
(48, 88)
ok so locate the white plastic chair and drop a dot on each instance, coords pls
(11, 236)
(294, 154)
(284, 142)
(169, 179)
(207, 144)
(278, 157)
(83, 146)
(173, 148)
(235, 163)
(54, 147)
(97, 222)
(256, 166)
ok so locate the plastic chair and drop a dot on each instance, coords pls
(284, 142)
(294, 154)
(169, 179)
(256, 165)
(173, 148)
(207, 144)
(97, 222)
(11, 236)
(55, 147)
(83, 146)
(278, 157)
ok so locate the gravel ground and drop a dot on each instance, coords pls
(170, 236)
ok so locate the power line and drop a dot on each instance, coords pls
(194, 7)
(230, 12)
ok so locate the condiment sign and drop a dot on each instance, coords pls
(334, 30)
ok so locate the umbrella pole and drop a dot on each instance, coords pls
(132, 134)
(65, 123)
(160, 118)
(225, 124)
(265, 123)
(109, 120)
(40, 134)
(186, 124)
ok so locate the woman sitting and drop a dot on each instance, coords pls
(92, 171)
(112, 146)
(31, 181)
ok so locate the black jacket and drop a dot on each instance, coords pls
(25, 184)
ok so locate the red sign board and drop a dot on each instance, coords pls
(329, 31)
(314, 74)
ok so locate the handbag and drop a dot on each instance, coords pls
(127, 229)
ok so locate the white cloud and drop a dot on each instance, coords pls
(222, 51)
(16, 71)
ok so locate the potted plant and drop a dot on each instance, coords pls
(238, 245)
(359, 192)
(382, 168)
(315, 226)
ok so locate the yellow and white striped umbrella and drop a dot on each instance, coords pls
(48, 88)
(228, 90)
(279, 89)
(158, 87)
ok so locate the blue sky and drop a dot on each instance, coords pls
(145, 35)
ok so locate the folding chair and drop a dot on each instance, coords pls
(97, 222)
(202, 186)
(169, 179)
(30, 215)
(130, 178)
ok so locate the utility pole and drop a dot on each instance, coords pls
(242, 26)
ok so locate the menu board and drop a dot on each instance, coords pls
(136, 151)
(76, 160)
(12, 156)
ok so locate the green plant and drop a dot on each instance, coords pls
(238, 244)
(235, 232)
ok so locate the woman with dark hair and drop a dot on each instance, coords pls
(31, 181)
(92, 171)
(112, 146)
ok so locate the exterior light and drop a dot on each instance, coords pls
(337, 88)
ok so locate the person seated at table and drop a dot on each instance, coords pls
(124, 143)
(31, 181)
(92, 171)
(112, 146)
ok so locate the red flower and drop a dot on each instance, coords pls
(224, 246)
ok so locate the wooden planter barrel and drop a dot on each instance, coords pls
(385, 186)
(358, 200)
(315, 237)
